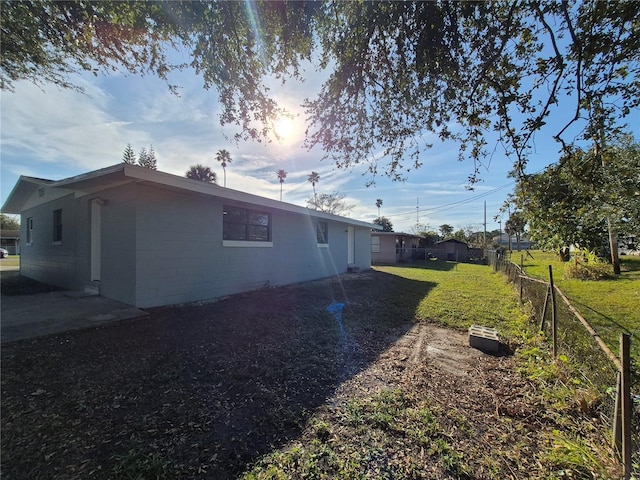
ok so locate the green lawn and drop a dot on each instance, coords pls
(611, 306)
(10, 261)
(464, 295)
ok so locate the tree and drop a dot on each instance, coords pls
(461, 234)
(128, 156)
(8, 222)
(142, 157)
(202, 173)
(147, 159)
(395, 70)
(333, 203)
(429, 238)
(281, 176)
(224, 157)
(515, 225)
(378, 204)
(445, 231)
(313, 179)
(570, 202)
(385, 223)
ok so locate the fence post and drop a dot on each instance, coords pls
(625, 383)
(617, 417)
(521, 274)
(554, 319)
(544, 308)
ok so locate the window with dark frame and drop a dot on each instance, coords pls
(246, 225)
(322, 232)
(57, 225)
(29, 230)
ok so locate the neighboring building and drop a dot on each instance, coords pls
(503, 241)
(148, 238)
(628, 244)
(452, 250)
(392, 247)
(10, 239)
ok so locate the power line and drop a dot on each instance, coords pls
(449, 206)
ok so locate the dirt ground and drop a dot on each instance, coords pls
(205, 390)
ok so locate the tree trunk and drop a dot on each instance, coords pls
(613, 245)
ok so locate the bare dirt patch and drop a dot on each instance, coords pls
(205, 391)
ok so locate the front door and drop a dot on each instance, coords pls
(96, 251)
(351, 248)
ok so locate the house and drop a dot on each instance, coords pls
(392, 247)
(451, 250)
(10, 240)
(510, 241)
(148, 238)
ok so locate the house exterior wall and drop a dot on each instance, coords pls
(118, 235)
(363, 246)
(453, 251)
(43, 259)
(162, 246)
(181, 256)
(387, 253)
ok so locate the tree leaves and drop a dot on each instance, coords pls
(396, 71)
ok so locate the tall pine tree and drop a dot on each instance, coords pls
(128, 156)
(149, 159)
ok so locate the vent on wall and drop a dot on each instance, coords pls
(41, 192)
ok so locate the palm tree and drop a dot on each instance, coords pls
(281, 176)
(224, 157)
(379, 204)
(202, 173)
(313, 179)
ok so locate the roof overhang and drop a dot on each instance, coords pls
(24, 188)
(122, 173)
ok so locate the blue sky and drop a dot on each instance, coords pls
(54, 133)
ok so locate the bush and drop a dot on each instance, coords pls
(586, 265)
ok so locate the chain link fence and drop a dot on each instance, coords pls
(599, 369)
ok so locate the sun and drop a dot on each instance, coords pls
(283, 128)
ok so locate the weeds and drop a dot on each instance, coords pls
(586, 265)
(390, 426)
(135, 465)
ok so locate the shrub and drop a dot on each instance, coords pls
(586, 265)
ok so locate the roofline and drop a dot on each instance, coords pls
(143, 174)
(8, 206)
(399, 233)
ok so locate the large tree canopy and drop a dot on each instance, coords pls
(395, 70)
(572, 201)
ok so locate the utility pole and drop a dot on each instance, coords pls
(417, 214)
(484, 234)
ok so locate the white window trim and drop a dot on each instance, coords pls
(246, 243)
(323, 245)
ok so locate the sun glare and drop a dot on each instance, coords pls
(284, 129)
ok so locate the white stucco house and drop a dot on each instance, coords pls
(148, 238)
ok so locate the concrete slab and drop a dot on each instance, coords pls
(34, 315)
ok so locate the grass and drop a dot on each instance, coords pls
(10, 261)
(610, 305)
(379, 427)
(359, 440)
(268, 385)
(465, 295)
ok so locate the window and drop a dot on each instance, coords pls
(29, 230)
(322, 232)
(57, 225)
(246, 225)
(375, 244)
